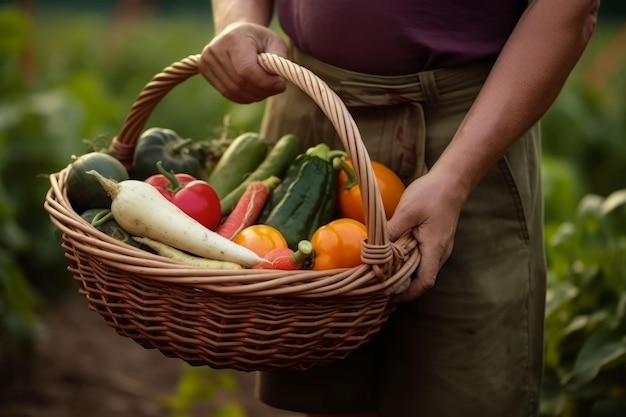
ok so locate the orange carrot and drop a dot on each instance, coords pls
(248, 207)
(286, 259)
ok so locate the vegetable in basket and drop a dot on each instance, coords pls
(260, 238)
(83, 190)
(102, 219)
(177, 154)
(349, 202)
(248, 208)
(310, 199)
(287, 259)
(193, 196)
(245, 153)
(276, 163)
(143, 211)
(338, 244)
(279, 192)
(183, 257)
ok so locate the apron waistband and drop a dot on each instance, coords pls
(426, 87)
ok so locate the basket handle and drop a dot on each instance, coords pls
(377, 251)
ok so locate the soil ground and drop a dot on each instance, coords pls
(85, 369)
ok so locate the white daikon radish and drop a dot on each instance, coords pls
(141, 210)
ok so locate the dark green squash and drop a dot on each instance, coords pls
(102, 219)
(83, 189)
(165, 145)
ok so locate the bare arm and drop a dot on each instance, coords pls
(226, 12)
(229, 62)
(527, 77)
(525, 81)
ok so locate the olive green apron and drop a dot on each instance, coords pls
(473, 344)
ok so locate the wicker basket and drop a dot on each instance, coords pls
(245, 320)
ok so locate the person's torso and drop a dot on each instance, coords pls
(392, 37)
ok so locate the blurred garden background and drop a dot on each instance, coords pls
(69, 72)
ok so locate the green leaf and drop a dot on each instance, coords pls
(558, 295)
(561, 188)
(590, 206)
(553, 399)
(602, 349)
(614, 201)
(563, 235)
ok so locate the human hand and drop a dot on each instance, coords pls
(229, 63)
(430, 207)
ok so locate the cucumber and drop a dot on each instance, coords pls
(276, 163)
(246, 152)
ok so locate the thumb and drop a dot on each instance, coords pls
(394, 228)
(277, 46)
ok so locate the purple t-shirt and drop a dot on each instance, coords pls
(393, 37)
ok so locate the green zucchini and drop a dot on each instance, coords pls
(281, 189)
(245, 153)
(309, 201)
(276, 163)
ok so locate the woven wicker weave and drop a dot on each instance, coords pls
(246, 319)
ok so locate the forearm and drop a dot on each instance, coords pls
(524, 82)
(226, 12)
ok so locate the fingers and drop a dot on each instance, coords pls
(240, 79)
(424, 280)
(238, 76)
(230, 64)
(276, 46)
(433, 256)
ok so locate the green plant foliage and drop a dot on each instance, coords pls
(585, 311)
(105, 65)
(586, 126)
(24, 235)
(200, 388)
(561, 187)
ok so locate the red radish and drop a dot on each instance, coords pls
(286, 259)
(248, 207)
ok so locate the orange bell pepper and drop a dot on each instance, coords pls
(349, 203)
(337, 244)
